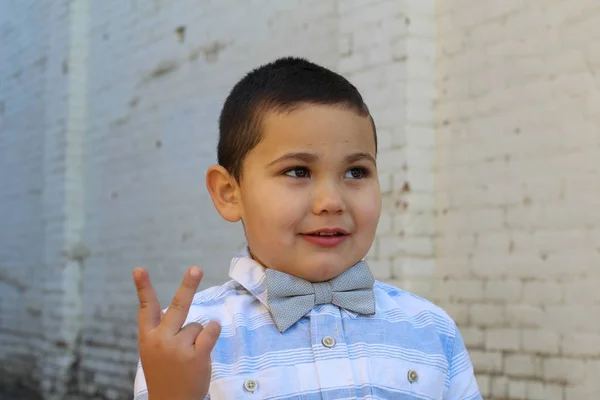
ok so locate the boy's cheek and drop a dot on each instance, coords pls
(369, 207)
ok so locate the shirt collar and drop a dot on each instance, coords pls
(250, 274)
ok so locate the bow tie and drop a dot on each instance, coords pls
(290, 298)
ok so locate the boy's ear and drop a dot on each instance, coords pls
(224, 192)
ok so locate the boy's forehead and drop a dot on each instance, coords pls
(317, 125)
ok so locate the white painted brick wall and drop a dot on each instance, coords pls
(517, 177)
(23, 63)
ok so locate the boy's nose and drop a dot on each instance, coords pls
(328, 199)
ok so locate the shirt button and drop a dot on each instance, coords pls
(328, 341)
(413, 376)
(250, 385)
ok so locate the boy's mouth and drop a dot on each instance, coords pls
(327, 237)
(327, 232)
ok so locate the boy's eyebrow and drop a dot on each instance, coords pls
(302, 157)
(311, 158)
(352, 158)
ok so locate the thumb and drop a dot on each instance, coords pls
(206, 340)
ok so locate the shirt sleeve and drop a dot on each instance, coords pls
(460, 382)
(140, 391)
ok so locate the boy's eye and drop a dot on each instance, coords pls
(356, 173)
(298, 172)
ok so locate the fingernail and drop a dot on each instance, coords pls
(194, 272)
(214, 328)
(137, 273)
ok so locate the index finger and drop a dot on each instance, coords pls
(180, 305)
(149, 312)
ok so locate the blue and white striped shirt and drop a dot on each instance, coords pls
(410, 349)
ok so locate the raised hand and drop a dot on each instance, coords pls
(176, 361)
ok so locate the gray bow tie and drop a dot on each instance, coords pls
(290, 298)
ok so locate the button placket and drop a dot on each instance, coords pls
(323, 325)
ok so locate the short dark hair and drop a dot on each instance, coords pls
(281, 86)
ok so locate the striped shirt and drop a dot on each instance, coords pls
(410, 349)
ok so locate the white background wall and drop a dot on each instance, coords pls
(518, 188)
(24, 30)
(487, 115)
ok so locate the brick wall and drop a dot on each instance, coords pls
(23, 63)
(517, 188)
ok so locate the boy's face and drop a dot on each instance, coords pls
(312, 174)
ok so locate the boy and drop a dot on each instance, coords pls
(302, 317)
